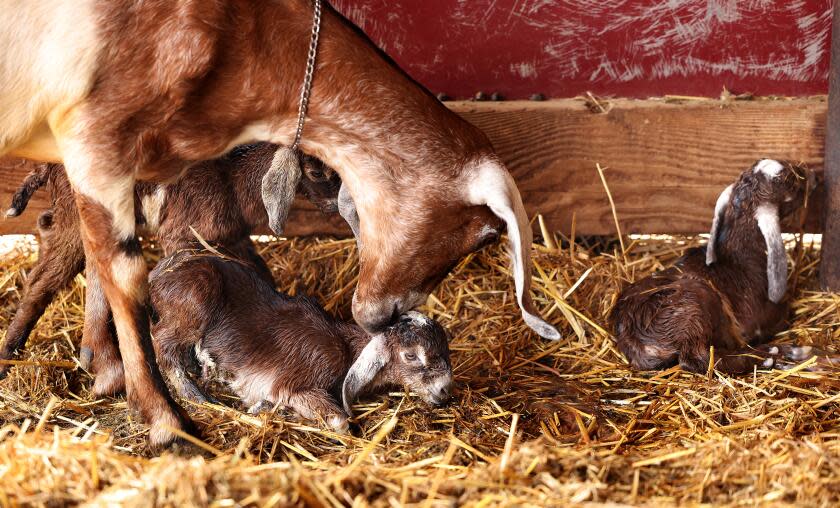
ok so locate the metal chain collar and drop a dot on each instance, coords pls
(306, 90)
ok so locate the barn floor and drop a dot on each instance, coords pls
(533, 423)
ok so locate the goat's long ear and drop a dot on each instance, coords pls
(720, 208)
(347, 209)
(491, 184)
(373, 357)
(767, 217)
(279, 185)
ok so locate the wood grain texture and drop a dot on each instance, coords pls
(666, 162)
(830, 263)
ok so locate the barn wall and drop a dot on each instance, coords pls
(627, 48)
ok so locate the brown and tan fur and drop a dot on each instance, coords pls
(674, 316)
(150, 87)
(168, 212)
(275, 349)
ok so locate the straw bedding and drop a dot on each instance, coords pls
(533, 422)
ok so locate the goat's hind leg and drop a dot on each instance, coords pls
(60, 259)
(105, 199)
(99, 352)
(316, 404)
(172, 350)
(780, 357)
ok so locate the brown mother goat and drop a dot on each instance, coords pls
(121, 90)
(219, 199)
(729, 295)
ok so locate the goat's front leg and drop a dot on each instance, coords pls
(99, 352)
(105, 199)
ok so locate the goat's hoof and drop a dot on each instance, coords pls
(339, 424)
(4, 370)
(262, 406)
(163, 430)
(86, 358)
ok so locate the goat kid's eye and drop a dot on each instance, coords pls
(409, 357)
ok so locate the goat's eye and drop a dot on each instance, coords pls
(410, 357)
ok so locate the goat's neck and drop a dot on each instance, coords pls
(741, 250)
(366, 116)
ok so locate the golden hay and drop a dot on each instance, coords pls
(533, 422)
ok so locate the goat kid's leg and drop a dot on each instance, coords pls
(172, 350)
(105, 199)
(780, 356)
(60, 259)
(100, 352)
(319, 405)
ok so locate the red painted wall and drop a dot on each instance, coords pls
(632, 48)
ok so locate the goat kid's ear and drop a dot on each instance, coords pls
(279, 185)
(373, 357)
(767, 217)
(720, 208)
(491, 184)
(347, 210)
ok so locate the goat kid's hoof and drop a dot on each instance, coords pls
(787, 357)
(339, 424)
(262, 406)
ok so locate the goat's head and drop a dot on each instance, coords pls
(410, 242)
(766, 194)
(320, 184)
(413, 353)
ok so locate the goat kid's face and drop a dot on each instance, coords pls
(413, 353)
(774, 183)
(420, 357)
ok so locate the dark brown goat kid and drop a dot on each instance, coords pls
(167, 211)
(730, 295)
(279, 350)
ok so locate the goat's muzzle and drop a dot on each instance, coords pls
(376, 315)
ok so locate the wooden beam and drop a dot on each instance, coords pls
(666, 162)
(830, 262)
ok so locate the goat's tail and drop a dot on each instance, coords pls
(36, 179)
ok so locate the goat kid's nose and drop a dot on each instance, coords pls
(442, 394)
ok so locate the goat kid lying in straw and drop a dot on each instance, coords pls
(730, 295)
(273, 349)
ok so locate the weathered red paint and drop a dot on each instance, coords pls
(632, 48)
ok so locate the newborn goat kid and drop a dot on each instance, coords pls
(276, 349)
(729, 295)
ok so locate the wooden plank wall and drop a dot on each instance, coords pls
(666, 161)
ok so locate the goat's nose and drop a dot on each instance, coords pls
(443, 394)
(375, 316)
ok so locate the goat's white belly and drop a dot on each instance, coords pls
(48, 59)
(255, 387)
